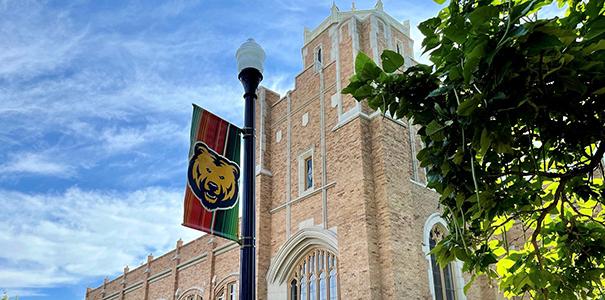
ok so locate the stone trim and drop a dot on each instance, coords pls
(228, 276)
(112, 296)
(432, 220)
(133, 286)
(181, 296)
(191, 262)
(371, 116)
(289, 167)
(291, 251)
(160, 275)
(301, 106)
(225, 248)
(374, 38)
(262, 136)
(309, 153)
(287, 204)
(339, 16)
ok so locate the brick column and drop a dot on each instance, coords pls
(175, 274)
(104, 285)
(212, 279)
(147, 275)
(123, 283)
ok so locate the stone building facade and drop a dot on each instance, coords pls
(342, 207)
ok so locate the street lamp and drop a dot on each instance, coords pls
(250, 57)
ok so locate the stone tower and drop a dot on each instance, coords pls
(343, 211)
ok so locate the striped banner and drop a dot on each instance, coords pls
(211, 197)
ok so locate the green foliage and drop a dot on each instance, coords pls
(512, 114)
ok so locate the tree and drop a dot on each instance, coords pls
(512, 114)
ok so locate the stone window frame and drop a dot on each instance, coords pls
(318, 63)
(302, 158)
(412, 139)
(194, 293)
(456, 266)
(399, 47)
(316, 264)
(227, 291)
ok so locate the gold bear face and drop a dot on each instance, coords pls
(213, 178)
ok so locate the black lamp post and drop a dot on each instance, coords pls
(250, 57)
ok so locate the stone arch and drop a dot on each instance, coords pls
(191, 291)
(433, 220)
(229, 278)
(291, 252)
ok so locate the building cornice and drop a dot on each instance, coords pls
(338, 16)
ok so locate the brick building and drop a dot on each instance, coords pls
(342, 207)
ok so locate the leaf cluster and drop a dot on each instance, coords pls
(512, 114)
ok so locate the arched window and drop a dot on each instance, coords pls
(315, 277)
(192, 294)
(445, 283)
(227, 291)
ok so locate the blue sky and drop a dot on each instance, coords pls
(95, 104)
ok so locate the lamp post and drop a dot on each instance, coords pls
(250, 57)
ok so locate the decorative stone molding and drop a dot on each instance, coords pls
(305, 119)
(278, 136)
(432, 221)
(295, 247)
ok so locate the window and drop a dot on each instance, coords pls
(443, 282)
(227, 291)
(318, 58)
(191, 294)
(418, 173)
(305, 172)
(399, 47)
(294, 290)
(232, 289)
(317, 275)
(308, 173)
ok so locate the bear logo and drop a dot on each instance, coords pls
(213, 179)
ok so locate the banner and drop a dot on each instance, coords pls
(211, 197)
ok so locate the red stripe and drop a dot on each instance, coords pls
(212, 130)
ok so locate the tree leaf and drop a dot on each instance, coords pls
(455, 30)
(482, 14)
(467, 107)
(485, 142)
(391, 61)
(433, 128)
(360, 61)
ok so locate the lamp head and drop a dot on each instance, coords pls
(250, 55)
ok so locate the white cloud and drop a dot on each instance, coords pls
(122, 139)
(36, 163)
(37, 43)
(51, 239)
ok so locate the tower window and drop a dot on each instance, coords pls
(305, 172)
(308, 173)
(318, 57)
(399, 46)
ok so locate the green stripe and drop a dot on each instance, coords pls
(195, 126)
(228, 220)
